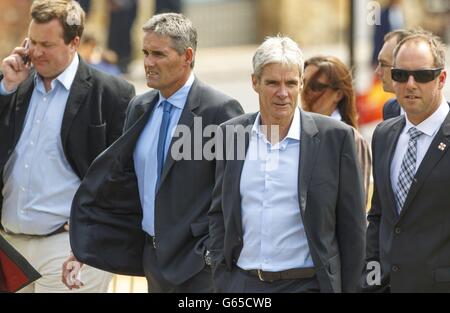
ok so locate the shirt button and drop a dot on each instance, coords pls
(45, 99)
(23, 189)
(27, 166)
(38, 121)
(31, 143)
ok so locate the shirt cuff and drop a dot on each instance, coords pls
(3, 91)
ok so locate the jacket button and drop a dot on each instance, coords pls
(398, 230)
(395, 268)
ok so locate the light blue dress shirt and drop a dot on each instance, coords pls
(39, 183)
(273, 231)
(145, 153)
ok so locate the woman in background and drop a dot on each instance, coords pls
(328, 90)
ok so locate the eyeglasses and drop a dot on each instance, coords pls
(316, 86)
(420, 76)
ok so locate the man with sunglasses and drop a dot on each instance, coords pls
(409, 230)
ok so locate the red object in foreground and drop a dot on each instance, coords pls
(15, 271)
(370, 104)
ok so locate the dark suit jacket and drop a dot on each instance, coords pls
(413, 248)
(15, 271)
(330, 195)
(93, 118)
(391, 109)
(106, 230)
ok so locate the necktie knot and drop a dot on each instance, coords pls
(167, 106)
(414, 133)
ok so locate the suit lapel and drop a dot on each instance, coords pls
(438, 148)
(309, 144)
(131, 136)
(235, 167)
(391, 144)
(78, 92)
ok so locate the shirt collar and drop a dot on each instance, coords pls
(66, 78)
(179, 98)
(432, 124)
(294, 129)
(336, 115)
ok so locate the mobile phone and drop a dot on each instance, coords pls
(26, 57)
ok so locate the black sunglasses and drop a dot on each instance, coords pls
(317, 87)
(420, 76)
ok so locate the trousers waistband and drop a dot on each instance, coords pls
(59, 230)
(295, 273)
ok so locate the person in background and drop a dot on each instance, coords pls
(391, 18)
(328, 90)
(385, 61)
(100, 59)
(121, 18)
(165, 6)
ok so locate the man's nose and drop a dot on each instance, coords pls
(282, 91)
(411, 83)
(149, 60)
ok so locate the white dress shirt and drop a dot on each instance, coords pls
(429, 128)
(273, 231)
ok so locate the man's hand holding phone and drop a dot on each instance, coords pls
(16, 67)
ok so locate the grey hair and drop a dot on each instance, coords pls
(278, 49)
(437, 47)
(176, 26)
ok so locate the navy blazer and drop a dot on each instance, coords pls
(106, 217)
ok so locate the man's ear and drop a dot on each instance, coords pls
(189, 55)
(442, 78)
(75, 43)
(255, 82)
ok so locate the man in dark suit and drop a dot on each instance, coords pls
(56, 116)
(287, 210)
(408, 233)
(142, 208)
(385, 60)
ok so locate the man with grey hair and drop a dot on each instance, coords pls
(288, 216)
(56, 115)
(142, 209)
(408, 233)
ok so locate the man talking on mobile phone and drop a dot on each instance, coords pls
(56, 116)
